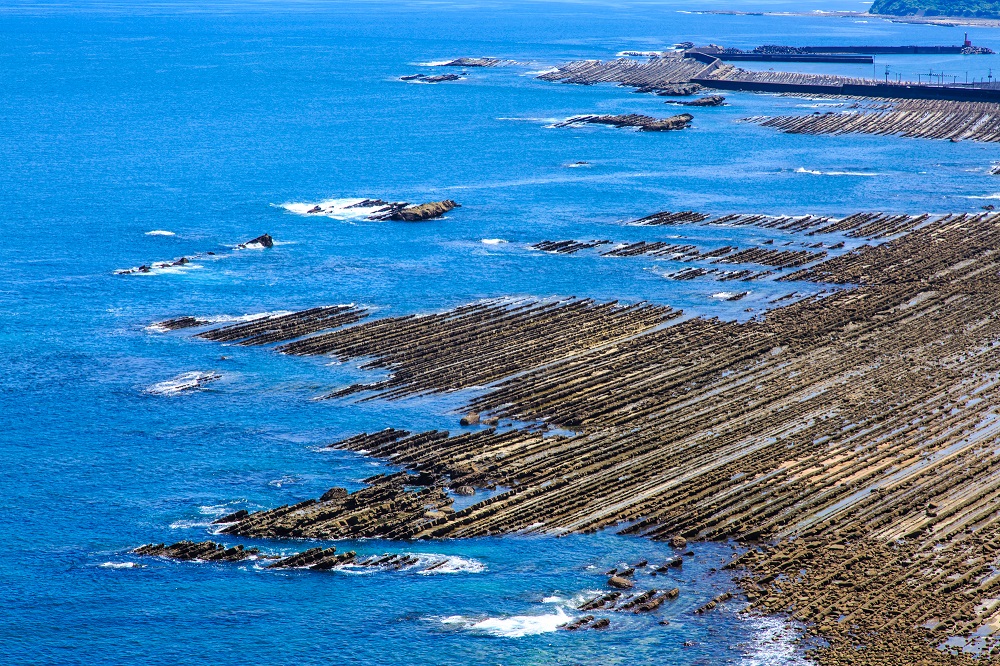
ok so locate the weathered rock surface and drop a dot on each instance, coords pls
(261, 241)
(711, 100)
(205, 550)
(640, 122)
(390, 507)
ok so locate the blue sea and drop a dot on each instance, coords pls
(135, 134)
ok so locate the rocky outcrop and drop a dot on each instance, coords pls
(179, 323)
(710, 100)
(261, 241)
(640, 122)
(437, 78)
(205, 550)
(476, 62)
(403, 212)
(390, 507)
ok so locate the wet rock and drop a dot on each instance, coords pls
(679, 89)
(678, 542)
(465, 491)
(179, 323)
(261, 241)
(602, 623)
(412, 77)
(425, 211)
(711, 100)
(640, 122)
(314, 210)
(476, 62)
(472, 418)
(189, 550)
(579, 623)
(438, 78)
(620, 583)
(234, 517)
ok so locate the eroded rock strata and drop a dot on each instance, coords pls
(925, 119)
(638, 121)
(849, 439)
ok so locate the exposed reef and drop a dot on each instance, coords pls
(475, 62)
(205, 550)
(849, 439)
(710, 100)
(264, 241)
(956, 121)
(424, 78)
(640, 122)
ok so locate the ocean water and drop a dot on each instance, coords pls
(131, 135)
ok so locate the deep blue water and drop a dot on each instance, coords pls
(202, 121)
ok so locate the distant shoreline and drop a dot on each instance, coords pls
(944, 21)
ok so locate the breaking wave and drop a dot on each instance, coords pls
(514, 626)
(160, 232)
(492, 241)
(835, 173)
(337, 209)
(186, 381)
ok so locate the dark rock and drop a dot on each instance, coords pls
(465, 491)
(234, 517)
(711, 100)
(620, 583)
(314, 209)
(678, 542)
(472, 418)
(602, 623)
(189, 550)
(412, 77)
(440, 77)
(334, 494)
(640, 122)
(262, 241)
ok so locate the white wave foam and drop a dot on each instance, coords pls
(186, 381)
(539, 72)
(435, 63)
(337, 209)
(188, 524)
(772, 644)
(530, 119)
(120, 565)
(160, 232)
(430, 564)
(995, 195)
(639, 54)
(492, 241)
(515, 626)
(835, 173)
(724, 294)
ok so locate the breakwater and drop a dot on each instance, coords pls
(668, 71)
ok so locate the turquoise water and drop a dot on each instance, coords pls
(203, 121)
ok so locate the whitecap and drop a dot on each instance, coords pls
(188, 524)
(185, 381)
(160, 232)
(435, 63)
(492, 241)
(995, 195)
(120, 565)
(773, 644)
(337, 209)
(517, 626)
(431, 564)
(835, 173)
(724, 294)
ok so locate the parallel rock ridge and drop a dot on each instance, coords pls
(852, 436)
(925, 119)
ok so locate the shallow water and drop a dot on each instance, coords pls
(133, 137)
